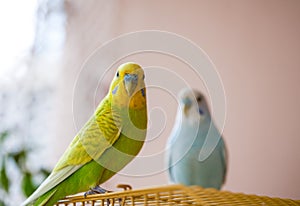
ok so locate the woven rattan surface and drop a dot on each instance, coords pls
(174, 195)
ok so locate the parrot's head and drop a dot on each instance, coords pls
(128, 87)
(193, 104)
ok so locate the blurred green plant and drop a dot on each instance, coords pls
(19, 159)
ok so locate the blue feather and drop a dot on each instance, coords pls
(143, 92)
(115, 90)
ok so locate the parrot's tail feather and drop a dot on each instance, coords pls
(44, 199)
(52, 180)
(41, 201)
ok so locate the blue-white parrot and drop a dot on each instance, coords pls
(186, 141)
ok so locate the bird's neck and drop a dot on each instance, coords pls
(137, 101)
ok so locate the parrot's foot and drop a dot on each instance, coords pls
(96, 190)
(100, 190)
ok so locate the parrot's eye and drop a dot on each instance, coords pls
(199, 99)
(118, 74)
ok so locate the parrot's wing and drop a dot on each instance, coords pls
(222, 149)
(169, 161)
(171, 175)
(98, 134)
(169, 164)
(225, 159)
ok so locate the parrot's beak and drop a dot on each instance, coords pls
(130, 82)
(187, 103)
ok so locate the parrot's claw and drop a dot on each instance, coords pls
(96, 190)
(100, 190)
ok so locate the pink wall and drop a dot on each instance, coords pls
(255, 47)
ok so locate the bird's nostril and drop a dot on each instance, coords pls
(131, 77)
(187, 101)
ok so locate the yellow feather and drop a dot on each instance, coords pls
(118, 124)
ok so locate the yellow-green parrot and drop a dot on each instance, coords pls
(110, 139)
